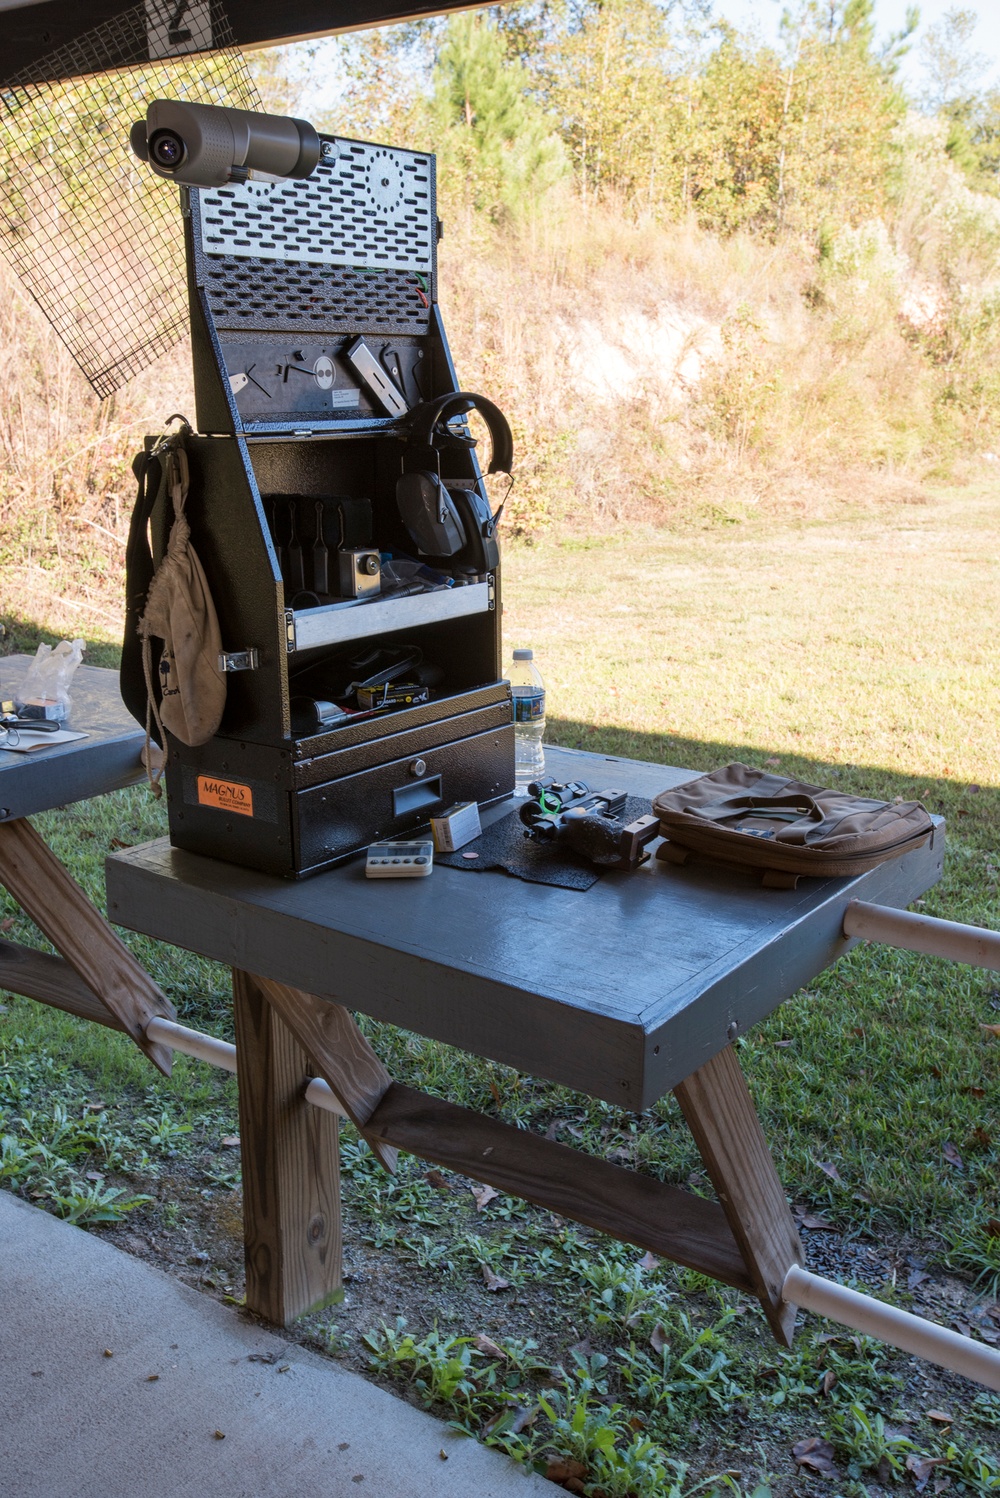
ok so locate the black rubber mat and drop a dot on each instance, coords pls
(503, 845)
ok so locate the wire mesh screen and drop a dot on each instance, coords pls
(93, 234)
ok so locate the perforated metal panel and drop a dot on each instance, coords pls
(256, 295)
(369, 206)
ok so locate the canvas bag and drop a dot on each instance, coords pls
(184, 688)
(742, 816)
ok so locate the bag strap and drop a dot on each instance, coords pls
(788, 808)
(139, 569)
(135, 671)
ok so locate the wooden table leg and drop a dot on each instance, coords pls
(720, 1113)
(46, 892)
(291, 1167)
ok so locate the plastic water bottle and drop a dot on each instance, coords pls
(529, 720)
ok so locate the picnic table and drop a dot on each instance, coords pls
(633, 988)
(94, 974)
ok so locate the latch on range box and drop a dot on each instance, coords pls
(238, 660)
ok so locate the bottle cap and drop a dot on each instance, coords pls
(524, 655)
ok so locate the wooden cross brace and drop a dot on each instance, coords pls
(284, 1036)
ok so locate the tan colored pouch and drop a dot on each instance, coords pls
(742, 816)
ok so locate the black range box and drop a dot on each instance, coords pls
(316, 333)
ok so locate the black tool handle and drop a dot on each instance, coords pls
(296, 576)
(321, 554)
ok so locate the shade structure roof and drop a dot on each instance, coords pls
(35, 30)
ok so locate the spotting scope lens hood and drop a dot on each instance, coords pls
(207, 145)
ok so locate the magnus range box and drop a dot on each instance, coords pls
(316, 336)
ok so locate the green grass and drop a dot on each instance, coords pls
(857, 649)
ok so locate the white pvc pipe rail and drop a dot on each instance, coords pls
(925, 1339)
(192, 1043)
(801, 1288)
(923, 933)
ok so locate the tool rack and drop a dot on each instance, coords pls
(284, 278)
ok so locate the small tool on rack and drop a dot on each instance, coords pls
(296, 578)
(321, 554)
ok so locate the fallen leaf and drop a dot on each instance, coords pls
(816, 1453)
(659, 1339)
(494, 1282)
(525, 1416)
(773, 762)
(829, 1170)
(484, 1195)
(230, 1142)
(818, 1224)
(497, 1096)
(951, 1155)
(993, 1226)
(981, 1137)
(637, 1423)
(781, 1045)
(562, 1468)
(915, 1278)
(6, 925)
(941, 1484)
(488, 1348)
(991, 1029)
(553, 1129)
(96, 1107)
(581, 1349)
(884, 1471)
(921, 1467)
(116, 842)
(941, 1416)
(937, 1072)
(437, 1180)
(649, 1262)
(857, 1030)
(829, 1380)
(975, 1091)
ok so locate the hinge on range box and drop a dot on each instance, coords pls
(491, 583)
(239, 660)
(289, 631)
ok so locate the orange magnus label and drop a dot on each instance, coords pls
(225, 795)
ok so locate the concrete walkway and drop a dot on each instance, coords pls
(77, 1424)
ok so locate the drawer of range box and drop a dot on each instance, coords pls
(382, 801)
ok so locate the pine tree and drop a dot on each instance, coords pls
(489, 127)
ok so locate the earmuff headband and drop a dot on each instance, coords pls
(424, 418)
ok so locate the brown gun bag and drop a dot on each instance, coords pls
(784, 827)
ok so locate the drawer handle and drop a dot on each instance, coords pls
(420, 795)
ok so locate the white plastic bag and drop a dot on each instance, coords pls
(44, 692)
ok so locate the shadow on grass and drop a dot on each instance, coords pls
(23, 637)
(972, 811)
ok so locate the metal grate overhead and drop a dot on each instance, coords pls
(95, 237)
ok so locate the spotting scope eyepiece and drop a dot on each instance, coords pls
(204, 145)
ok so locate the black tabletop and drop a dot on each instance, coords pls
(106, 760)
(621, 990)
